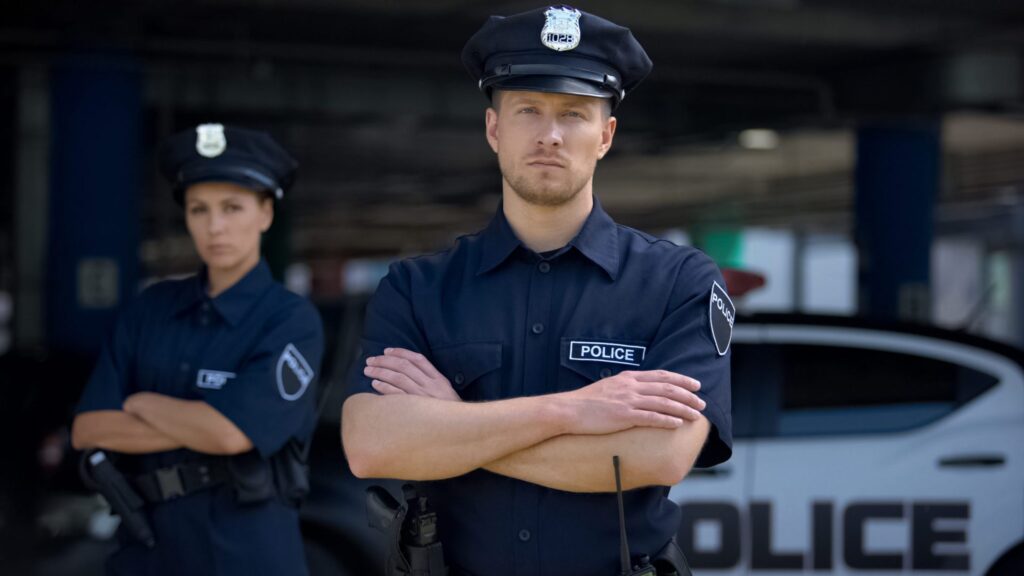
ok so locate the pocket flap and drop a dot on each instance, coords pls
(464, 363)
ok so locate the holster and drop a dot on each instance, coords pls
(388, 515)
(290, 469)
(285, 475)
(99, 473)
(414, 549)
(669, 561)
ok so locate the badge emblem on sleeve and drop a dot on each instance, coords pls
(561, 30)
(293, 373)
(210, 140)
(722, 314)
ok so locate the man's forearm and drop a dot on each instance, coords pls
(583, 463)
(120, 432)
(417, 438)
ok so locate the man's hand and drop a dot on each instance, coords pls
(652, 398)
(401, 371)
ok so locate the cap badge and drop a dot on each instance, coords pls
(561, 30)
(210, 140)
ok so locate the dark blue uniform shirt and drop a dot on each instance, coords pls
(243, 353)
(501, 321)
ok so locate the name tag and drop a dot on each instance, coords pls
(213, 379)
(606, 352)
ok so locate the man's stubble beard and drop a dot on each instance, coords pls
(542, 192)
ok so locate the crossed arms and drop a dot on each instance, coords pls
(419, 429)
(150, 422)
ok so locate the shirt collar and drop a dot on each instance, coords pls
(498, 242)
(234, 303)
(597, 240)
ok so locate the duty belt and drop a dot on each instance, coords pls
(164, 484)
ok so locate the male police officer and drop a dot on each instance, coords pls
(510, 368)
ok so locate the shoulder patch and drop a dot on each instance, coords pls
(722, 315)
(293, 373)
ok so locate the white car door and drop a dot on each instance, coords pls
(714, 501)
(891, 454)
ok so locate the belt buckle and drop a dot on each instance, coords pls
(170, 484)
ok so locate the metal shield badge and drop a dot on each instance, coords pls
(210, 140)
(561, 30)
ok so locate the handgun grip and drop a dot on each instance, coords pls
(382, 509)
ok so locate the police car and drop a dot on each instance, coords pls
(860, 448)
(863, 449)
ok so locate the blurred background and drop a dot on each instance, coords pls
(854, 163)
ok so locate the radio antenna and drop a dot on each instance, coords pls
(624, 556)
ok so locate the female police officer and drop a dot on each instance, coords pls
(206, 381)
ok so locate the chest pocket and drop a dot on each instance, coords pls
(585, 360)
(474, 369)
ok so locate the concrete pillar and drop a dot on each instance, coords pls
(96, 160)
(897, 184)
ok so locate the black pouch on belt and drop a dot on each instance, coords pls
(250, 478)
(291, 473)
(669, 561)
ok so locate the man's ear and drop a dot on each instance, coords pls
(607, 135)
(491, 123)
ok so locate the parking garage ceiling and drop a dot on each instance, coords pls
(372, 99)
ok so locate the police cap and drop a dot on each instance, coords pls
(556, 49)
(214, 152)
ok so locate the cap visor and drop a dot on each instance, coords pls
(241, 175)
(553, 84)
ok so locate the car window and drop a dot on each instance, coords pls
(754, 378)
(840, 390)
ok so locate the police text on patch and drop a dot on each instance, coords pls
(606, 352)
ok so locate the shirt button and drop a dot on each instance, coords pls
(184, 366)
(206, 306)
(459, 378)
(524, 535)
(204, 319)
(606, 372)
(544, 267)
(537, 328)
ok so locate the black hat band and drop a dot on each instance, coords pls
(504, 71)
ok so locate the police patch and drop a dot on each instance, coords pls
(213, 379)
(722, 315)
(210, 140)
(606, 352)
(561, 29)
(293, 373)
